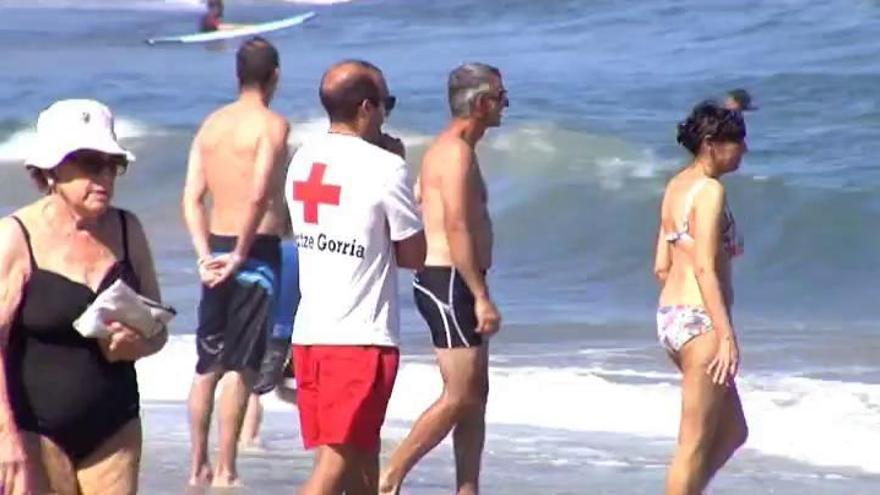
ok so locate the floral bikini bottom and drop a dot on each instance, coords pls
(677, 325)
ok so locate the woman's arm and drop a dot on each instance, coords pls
(662, 258)
(662, 254)
(14, 270)
(142, 262)
(708, 214)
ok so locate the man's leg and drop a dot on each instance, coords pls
(286, 387)
(233, 402)
(328, 477)
(464, 372)
(201, 404)
(250, 429)
(212, 316)
(469, 437)
(286, 394)
(362, 476)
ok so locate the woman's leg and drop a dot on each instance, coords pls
(114, 467)
(50, 469)
(731, 435)
(702, 405)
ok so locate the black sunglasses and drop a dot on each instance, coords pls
(389, 102)
(501, 97)
(94, 163)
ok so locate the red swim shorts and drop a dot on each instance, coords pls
(343, 392)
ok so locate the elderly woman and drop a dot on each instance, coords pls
(695, 247)
(69, 405)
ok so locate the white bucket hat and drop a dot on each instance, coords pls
(72, 125)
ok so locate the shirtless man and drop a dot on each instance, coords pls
(237, 158)
(451, 291)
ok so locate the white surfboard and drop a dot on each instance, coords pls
(235, 33)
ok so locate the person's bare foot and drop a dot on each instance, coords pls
(253, 446)
(226, 480)
(201, 476)
(388, 485)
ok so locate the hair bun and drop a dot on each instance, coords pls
(686, 135)
(709, 120)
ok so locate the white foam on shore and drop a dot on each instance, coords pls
(303, 130)
(16, 147)
(317, 2)
(142, 5)
(819, 422)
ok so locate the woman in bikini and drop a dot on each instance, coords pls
(69, 405)
(695, 246)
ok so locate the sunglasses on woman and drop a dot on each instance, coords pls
(95, 163)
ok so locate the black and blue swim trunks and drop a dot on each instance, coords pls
(235, 317)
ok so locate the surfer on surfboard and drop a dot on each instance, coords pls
(212, 20)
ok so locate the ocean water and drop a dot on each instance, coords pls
(583, 400)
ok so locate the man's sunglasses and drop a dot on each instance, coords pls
(94, 163)
(389, 102)
(501, 97)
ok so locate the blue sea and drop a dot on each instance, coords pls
(583, 400)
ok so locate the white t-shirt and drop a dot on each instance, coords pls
(349, 201)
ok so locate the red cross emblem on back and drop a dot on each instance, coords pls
(313, 192)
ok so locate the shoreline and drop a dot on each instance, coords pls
(517, 461)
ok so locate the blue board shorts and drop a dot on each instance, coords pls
(277, 354)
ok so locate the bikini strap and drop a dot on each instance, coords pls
(27, 240)
(124, 224)
(689, 200)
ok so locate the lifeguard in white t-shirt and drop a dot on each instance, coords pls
(352, 208)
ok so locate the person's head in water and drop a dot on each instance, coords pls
(257, 67)
(354, 93)
(714, 135)
(215, 8)
(739, 100)
(476, 91)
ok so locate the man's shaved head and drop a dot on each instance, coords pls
(346, 85)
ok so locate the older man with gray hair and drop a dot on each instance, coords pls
(451, 292)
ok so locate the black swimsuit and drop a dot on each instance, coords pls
(60, 384)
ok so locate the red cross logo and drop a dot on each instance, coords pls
(314, 192)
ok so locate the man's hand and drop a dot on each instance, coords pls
(227, 265)
(208, 267)
(488, 317)
(214, 271)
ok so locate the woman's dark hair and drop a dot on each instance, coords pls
(40, 178)
(709, 120)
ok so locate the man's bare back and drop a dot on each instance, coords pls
(228, 142)
(450, 151)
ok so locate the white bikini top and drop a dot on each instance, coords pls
(732, 243)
